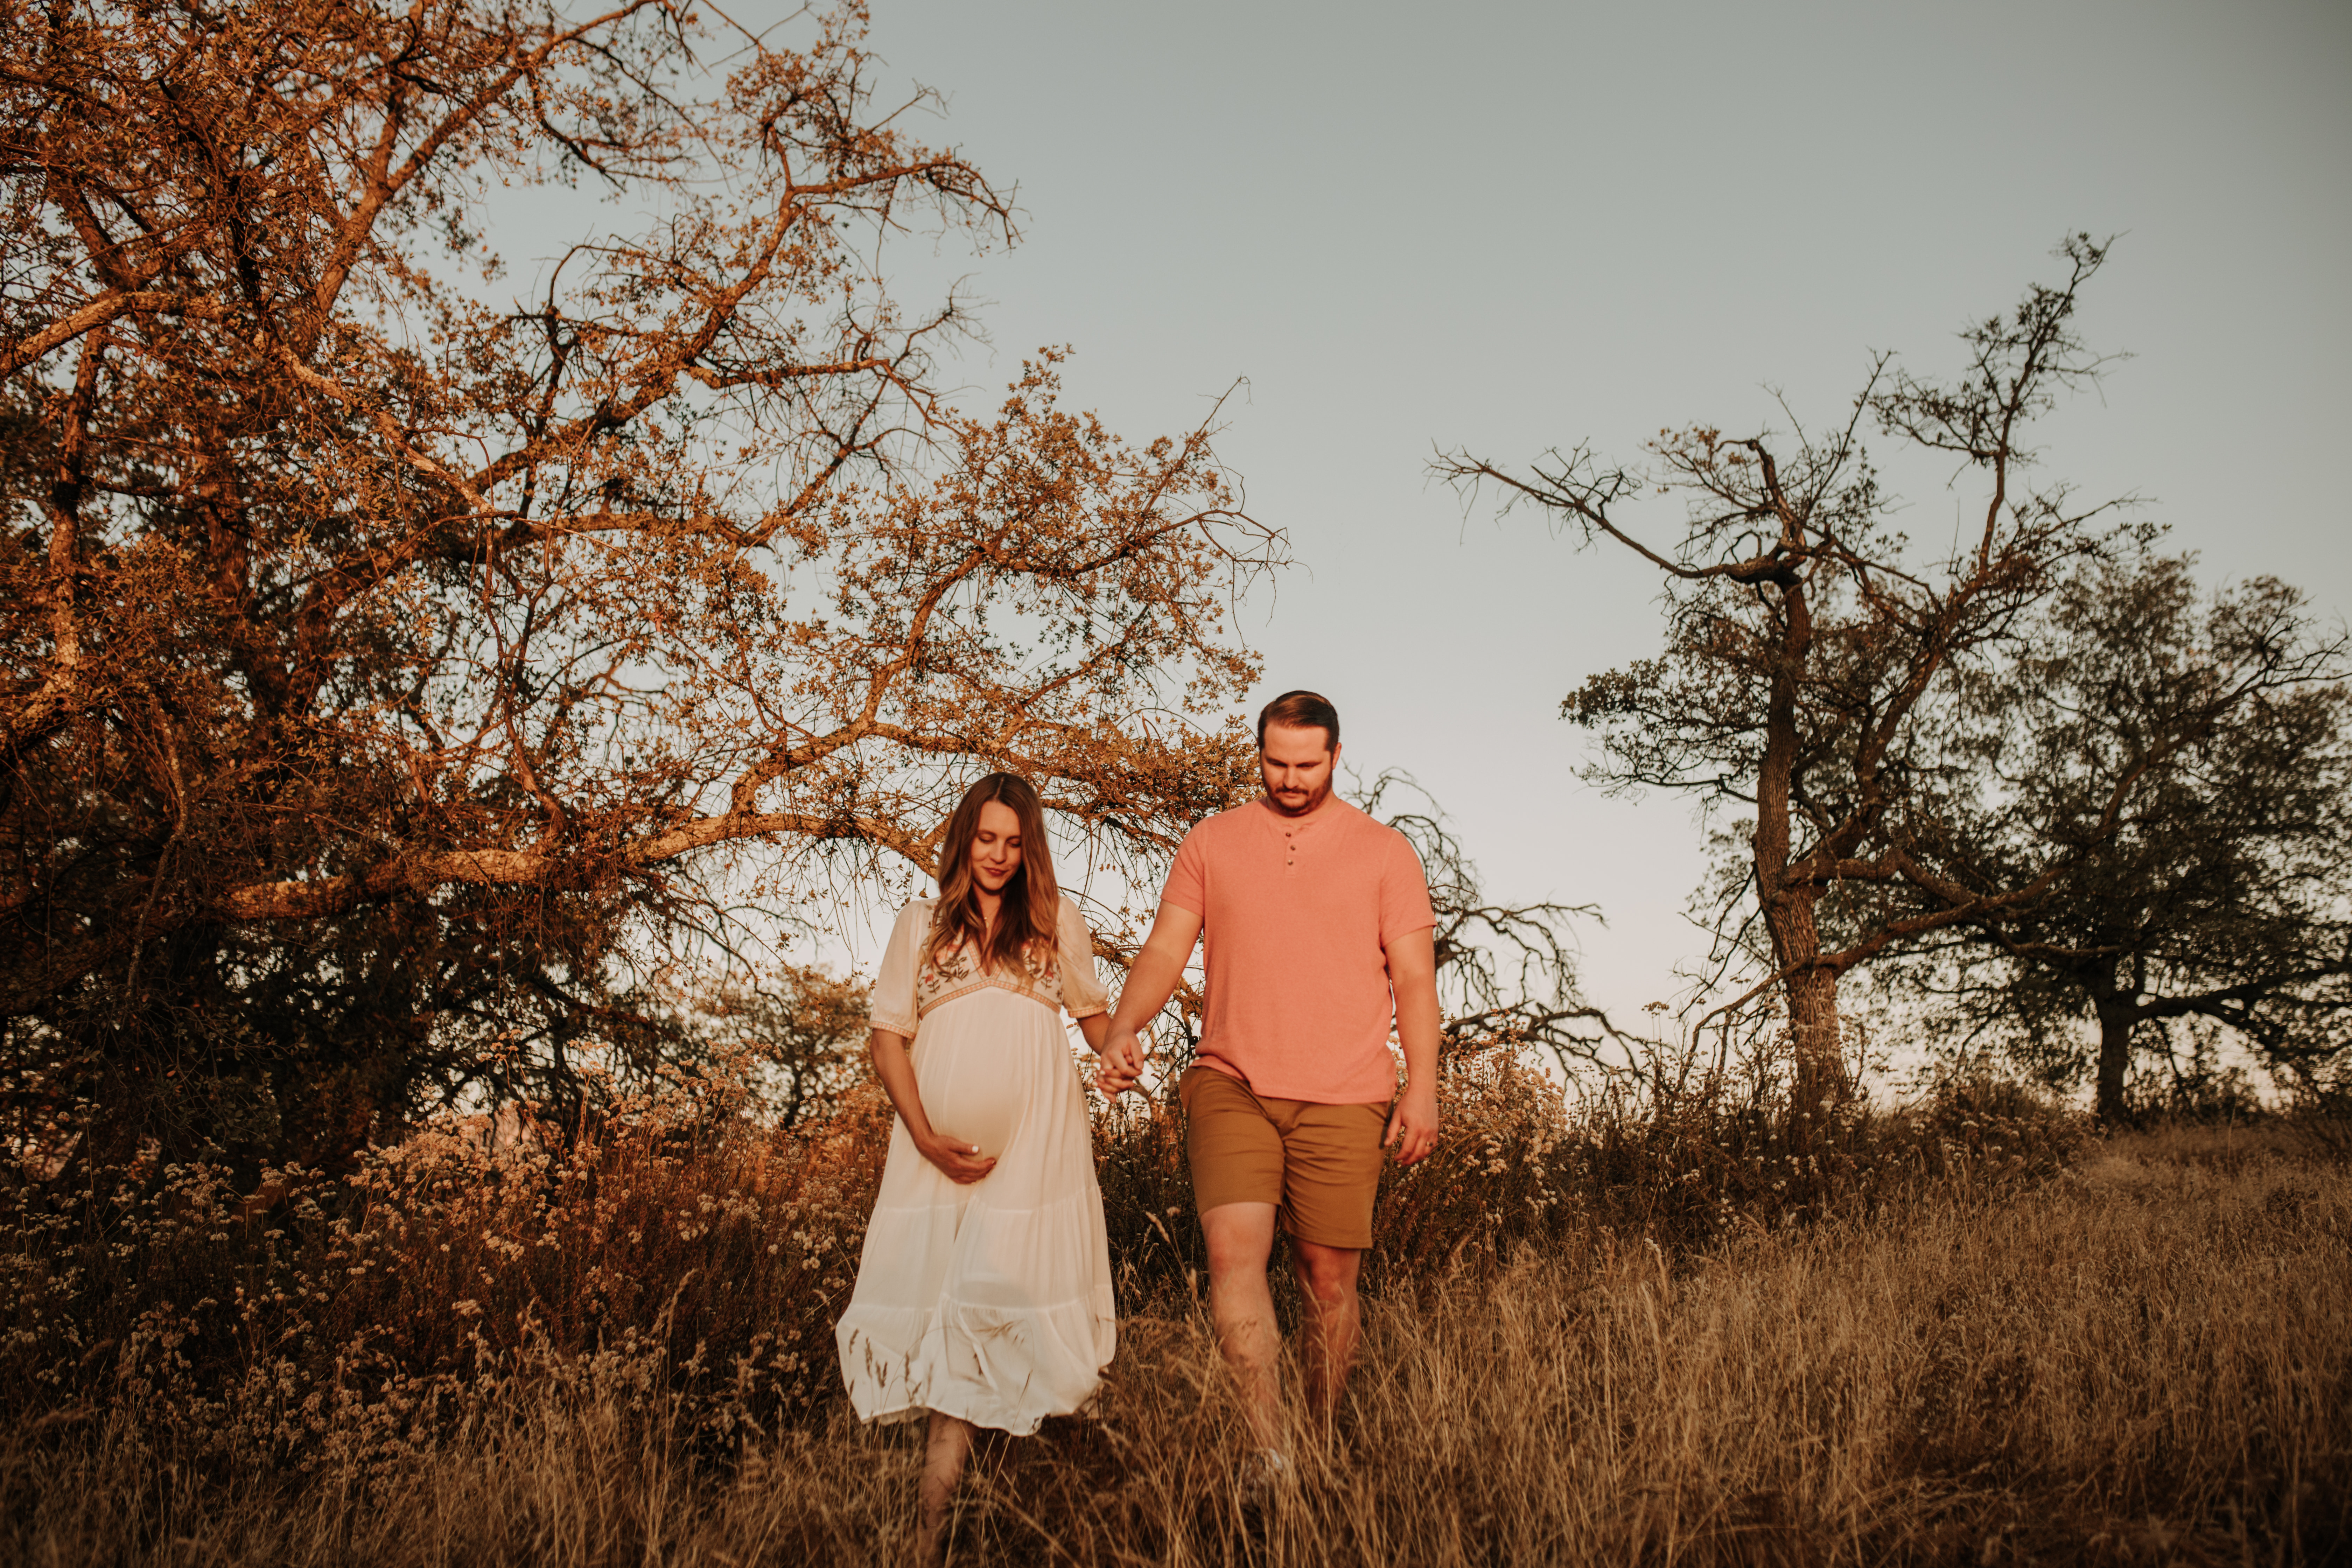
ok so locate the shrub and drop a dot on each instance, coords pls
(677, 1257)
(699, 1263)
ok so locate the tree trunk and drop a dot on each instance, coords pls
(1811, 989)
(1788, 903)
(1820, 1063)
(2116, 1014)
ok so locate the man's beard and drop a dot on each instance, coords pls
(1315, 798)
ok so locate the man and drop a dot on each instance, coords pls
(1318, 928)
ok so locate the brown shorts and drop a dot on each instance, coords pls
(1319, 1166)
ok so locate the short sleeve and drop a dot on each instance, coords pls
(1188, 883)
(1404, 892)
(1082, 987)
(890, 1006)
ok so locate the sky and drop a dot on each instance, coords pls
(1509, 227)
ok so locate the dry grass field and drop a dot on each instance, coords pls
(2040, 1348)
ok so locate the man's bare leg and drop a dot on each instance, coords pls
(1326, 1275)
(946, 1446)
(1241, 1243)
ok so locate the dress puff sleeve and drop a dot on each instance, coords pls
(1082, 988)
(890, 1006)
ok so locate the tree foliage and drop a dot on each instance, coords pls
(393, 655)
(2221, 895)
(796, 1042)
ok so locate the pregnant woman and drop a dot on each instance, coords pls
(983, 1296)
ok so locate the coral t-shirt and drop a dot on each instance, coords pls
(1297, 914)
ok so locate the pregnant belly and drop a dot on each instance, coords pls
(974, 1094)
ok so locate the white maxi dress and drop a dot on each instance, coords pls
(991, 1301)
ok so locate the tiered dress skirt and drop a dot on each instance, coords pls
(990, 1301)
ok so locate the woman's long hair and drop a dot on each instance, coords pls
(1029, 917)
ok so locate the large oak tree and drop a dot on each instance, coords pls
(395, 644)
(1811, 648)
(2221, 894)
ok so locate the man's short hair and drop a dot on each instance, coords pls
(1301, 711)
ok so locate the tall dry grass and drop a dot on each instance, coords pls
(1642, 1332)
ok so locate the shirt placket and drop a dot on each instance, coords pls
(1292, 832)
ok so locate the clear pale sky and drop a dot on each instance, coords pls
(1509, 226)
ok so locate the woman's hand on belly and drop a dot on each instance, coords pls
(957, 1160)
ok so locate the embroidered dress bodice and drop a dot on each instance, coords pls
(914, 979)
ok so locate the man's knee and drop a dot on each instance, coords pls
(1328, 1274)
(1240, 1238)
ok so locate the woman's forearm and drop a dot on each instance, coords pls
(959, 1162)
(896, 1071)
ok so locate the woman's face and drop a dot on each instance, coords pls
(996, 847)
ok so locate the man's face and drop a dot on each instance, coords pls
(1296, 765)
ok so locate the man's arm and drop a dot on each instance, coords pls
(1412, 975)
(1151, 980)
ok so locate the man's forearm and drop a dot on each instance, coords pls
(1418, 1019)
(1417, 1032)
(1151, 980)
(1412, 975)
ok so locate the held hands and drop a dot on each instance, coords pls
(960, 1162)
(1119, 1064)
(1412, 1126)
